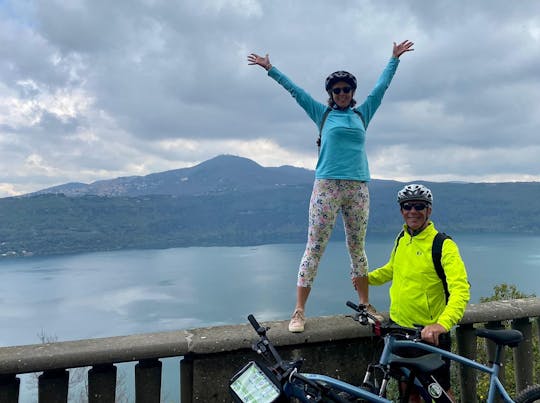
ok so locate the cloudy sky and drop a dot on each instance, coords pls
(96, 89)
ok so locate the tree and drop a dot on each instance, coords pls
(504, 292)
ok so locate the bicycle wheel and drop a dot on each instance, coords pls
(529, 395)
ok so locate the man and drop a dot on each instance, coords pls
(417, 293)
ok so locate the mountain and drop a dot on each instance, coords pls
(225, 173)
(232, 201)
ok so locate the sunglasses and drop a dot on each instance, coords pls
(338, 90)
(416, 206)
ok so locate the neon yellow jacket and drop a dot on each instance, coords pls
(417, 294)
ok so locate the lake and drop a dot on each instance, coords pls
(127, 292)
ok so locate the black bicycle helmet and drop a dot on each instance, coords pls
(340, 76)
(414, 192)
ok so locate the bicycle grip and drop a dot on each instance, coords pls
(253, 322)
(353, 306)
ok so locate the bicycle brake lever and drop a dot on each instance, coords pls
(419, 328)
(260, 347)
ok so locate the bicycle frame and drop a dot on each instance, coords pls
(293, 390)
(294, 384)
(495, 384)
(391, 343)
(306, 386)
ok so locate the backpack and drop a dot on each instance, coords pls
(326, 112)
(436, 255)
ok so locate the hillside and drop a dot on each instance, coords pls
(222, 174)
(231, 201)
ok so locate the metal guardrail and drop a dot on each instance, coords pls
(219, 344)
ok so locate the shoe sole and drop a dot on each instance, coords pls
(296, 329)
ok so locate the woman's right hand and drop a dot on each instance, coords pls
(405, 46)
(264, 62)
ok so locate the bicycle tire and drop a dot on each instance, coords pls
(529, 395)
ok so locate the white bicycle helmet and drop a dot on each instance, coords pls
(414, 191)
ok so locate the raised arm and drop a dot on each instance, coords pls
(373, 101)
(264, 62)
(405, 46)
(314, 109)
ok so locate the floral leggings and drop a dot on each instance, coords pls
(328, 197)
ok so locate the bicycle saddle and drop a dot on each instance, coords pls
(506, 337)
(425, 363)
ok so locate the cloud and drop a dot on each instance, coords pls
(100, 89)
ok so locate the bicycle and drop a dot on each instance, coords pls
(278, 380)
(416, 370)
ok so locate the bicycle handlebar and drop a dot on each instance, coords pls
(258, 328)
(288, 371)
(381, 329)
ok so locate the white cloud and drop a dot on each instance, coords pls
(499, 164)
(134, 87)
(9, 189)
(246, 8)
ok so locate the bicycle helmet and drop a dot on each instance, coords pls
(414, 192)
(340, 76)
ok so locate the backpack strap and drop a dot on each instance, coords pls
(360, 116)
(400, 235)
(436, 254)
(326, 112)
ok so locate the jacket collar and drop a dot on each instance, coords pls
(422, 234)
(336, 108)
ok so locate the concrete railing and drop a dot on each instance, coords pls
(336, 346)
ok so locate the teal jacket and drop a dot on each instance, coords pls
(343, 154)
(417, 294)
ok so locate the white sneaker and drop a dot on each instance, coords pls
(298, 320)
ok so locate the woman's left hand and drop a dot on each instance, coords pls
(264, 62)
(403, 47)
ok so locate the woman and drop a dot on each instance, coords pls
(341, 174)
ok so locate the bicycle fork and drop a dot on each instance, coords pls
(371, 382)
(428, 387)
